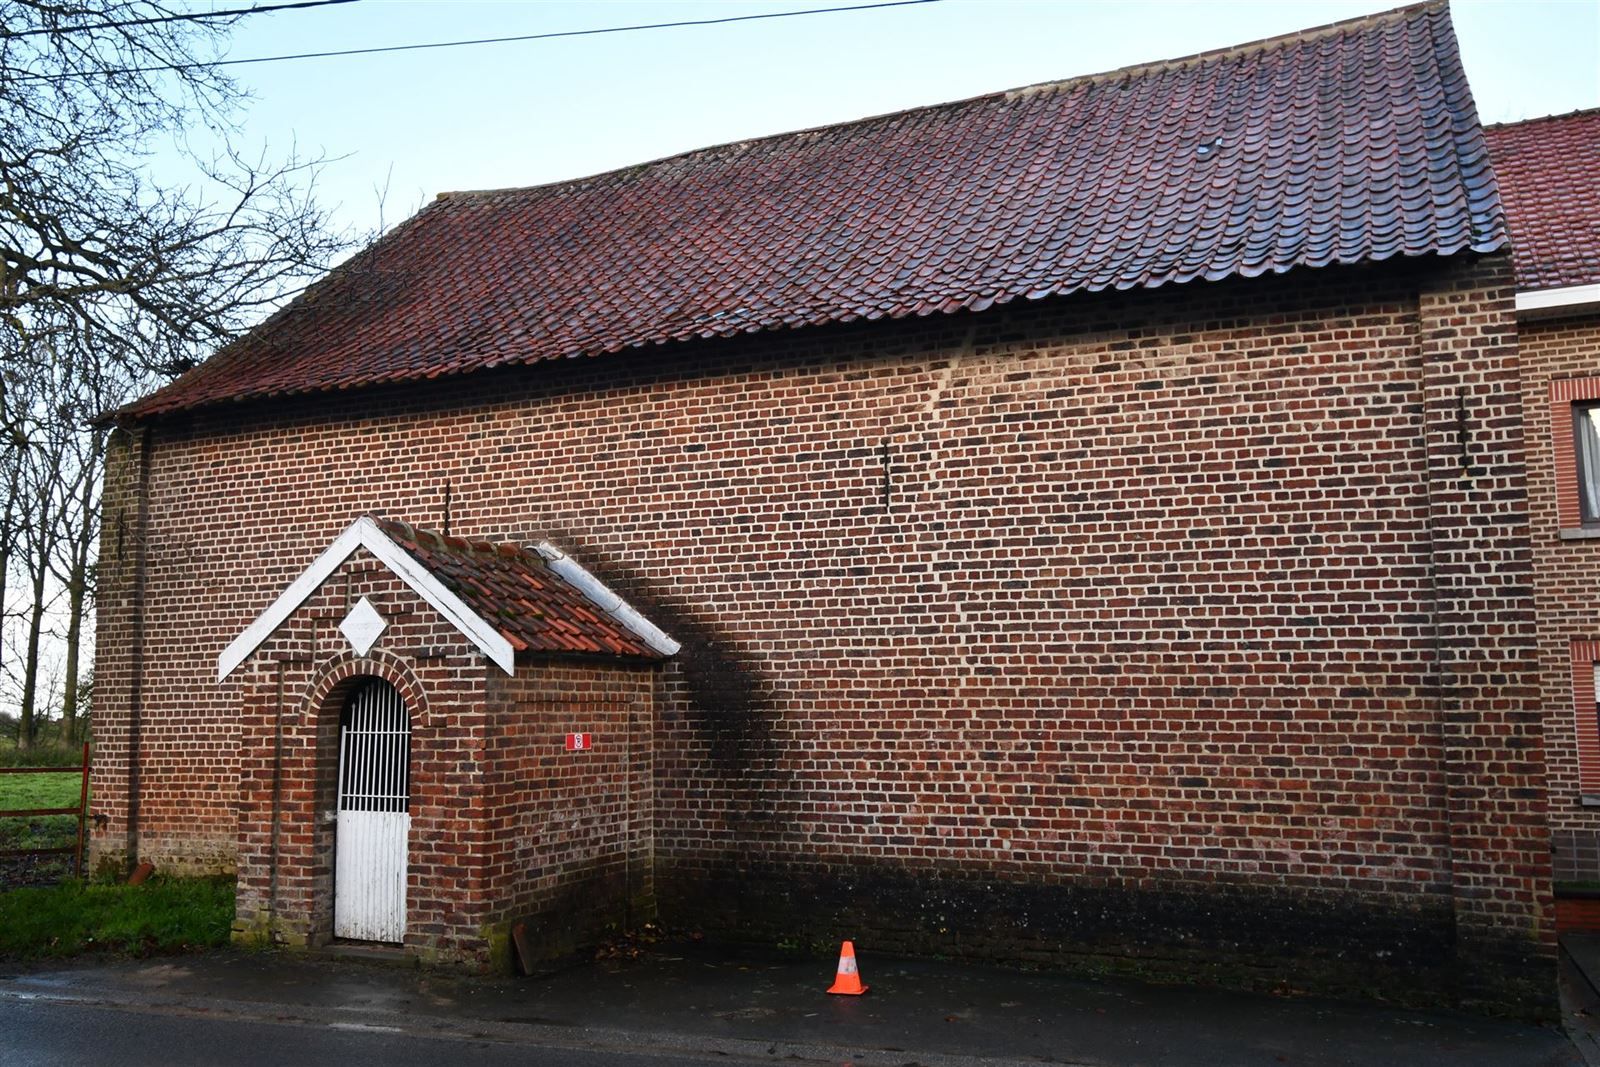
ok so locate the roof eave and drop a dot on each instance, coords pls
(1549, 303)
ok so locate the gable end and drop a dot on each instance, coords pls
(365, 533)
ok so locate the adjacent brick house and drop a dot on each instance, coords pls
(1549, 173)
(1092, 520)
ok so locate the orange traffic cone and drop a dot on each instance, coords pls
(848, 980)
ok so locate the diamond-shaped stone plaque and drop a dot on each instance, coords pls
(362, 626)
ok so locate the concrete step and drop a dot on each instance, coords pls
(369, 951)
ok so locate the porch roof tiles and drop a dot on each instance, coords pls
(516, 592)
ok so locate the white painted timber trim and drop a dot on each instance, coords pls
(601, 596)
(1551, 299)
(364, 533)
(473, 627)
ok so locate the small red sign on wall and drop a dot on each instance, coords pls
(579, 742)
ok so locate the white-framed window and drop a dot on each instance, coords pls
(1586, 450)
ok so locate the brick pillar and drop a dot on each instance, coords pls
(642, 786)
(121, 539)
(254, 905)
(1488, 665)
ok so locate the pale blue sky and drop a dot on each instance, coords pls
(535, 112)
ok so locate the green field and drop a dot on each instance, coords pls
(25, 791)
(51, 790)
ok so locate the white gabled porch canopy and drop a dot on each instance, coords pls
(642, 637)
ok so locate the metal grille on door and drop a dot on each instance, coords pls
(369, 897)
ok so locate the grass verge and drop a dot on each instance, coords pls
(162, 916)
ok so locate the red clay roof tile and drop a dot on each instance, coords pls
(1549, 171)
(1353, 142)
(516, 593)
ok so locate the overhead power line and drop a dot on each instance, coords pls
(154, 20)
(157, 68)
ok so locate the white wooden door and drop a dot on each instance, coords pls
(369, 860)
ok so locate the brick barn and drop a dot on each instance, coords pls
(1082, 523)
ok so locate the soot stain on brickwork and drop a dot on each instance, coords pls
(727, 701)
(590, 905)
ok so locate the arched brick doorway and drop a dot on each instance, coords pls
(371, 838)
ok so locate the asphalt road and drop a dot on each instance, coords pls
(41, 1033)
(694, 1004)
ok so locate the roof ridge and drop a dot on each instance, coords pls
(476, 547)
(1147, 67)
(1310, 33)
(1575, 113)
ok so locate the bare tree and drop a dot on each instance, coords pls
(41, 488)
(112, 279)
(71, 558)
(93, 96)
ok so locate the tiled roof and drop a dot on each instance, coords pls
(515, 592)
(1549, 171)
(1352, 142)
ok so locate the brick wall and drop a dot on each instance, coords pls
(1564, 352)
(570, 833)
(1126, 612)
